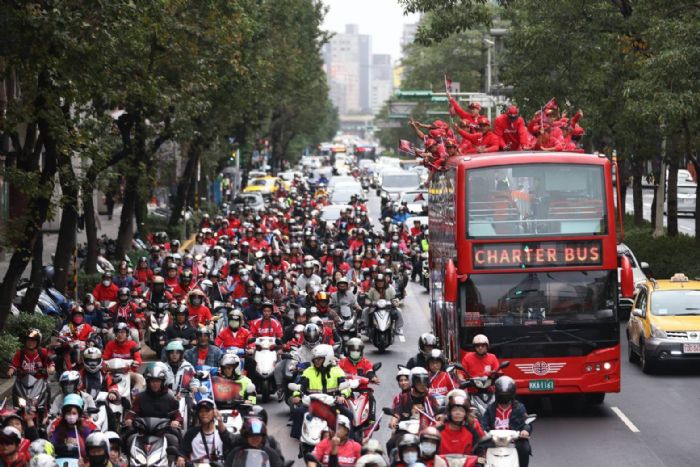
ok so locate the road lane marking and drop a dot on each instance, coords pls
(402, 339)
(625, 420)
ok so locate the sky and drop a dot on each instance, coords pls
(381, 19)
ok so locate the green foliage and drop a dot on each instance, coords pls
(665, 255)
(448, 17)
(18, 325)
(9, 344)
(87, 282)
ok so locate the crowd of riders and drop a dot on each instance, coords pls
(549, 129)
(267, 306)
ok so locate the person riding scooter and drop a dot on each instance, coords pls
(507, 413)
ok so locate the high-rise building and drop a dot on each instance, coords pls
(381, 85)
(409, 34)
(347, 62)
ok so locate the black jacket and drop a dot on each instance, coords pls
(417, 360)
(517, 418)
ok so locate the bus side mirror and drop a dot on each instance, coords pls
(450, 282)
(626, 278)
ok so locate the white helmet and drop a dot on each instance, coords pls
(480, 339)
(325, 351)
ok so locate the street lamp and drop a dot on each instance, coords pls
(489, 43)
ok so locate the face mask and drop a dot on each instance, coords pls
(410, 457)
(234, 324)
(106, 283)
(355, 355)
(196, 301)
(428, 449)
(71, 419)
(77, 319)
(257, 300)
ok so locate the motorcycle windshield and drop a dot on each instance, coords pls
(382, 319)
(251, 458)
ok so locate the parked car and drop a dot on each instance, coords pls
(254, 201)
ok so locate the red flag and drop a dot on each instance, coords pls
(405, 146)
(448, 85)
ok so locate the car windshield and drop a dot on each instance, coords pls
(540, 298)
(675, 302)
(259, 182)
(245, 200)
(404, 180)
(536, 199)
(414, 196)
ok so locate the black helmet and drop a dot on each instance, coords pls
(253, 426)
(258, 411)
(426, 340)
(505, 389)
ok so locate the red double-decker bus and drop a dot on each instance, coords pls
(523, 250)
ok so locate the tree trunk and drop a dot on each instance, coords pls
(69, 223)
(185, 183)
(39, 204)
(36, 278)
(672, 196)
(90, 231)
(660, 194)
(133, 176)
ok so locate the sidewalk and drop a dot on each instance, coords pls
(104, 227)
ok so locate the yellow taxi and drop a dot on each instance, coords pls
(263, 185)
(664, 324)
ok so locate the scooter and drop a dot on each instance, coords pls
(265, 360)
(382, 324)
(348, 329)
(503, 452)
(150, 446)
(158, 321)
(68, 456)
(228, 403)
(120, 368)
(425, 271)
(484, 395)
(362, 403)
(458, 460)
(31, 393)
(321, 415)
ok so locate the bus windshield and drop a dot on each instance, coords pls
(541, 298)
(536, 199)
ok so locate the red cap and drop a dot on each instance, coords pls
(579, 131)
(475, 105)
(483, 121)
(430, 142)
(513, 110)
(440, 124)
(450, 142)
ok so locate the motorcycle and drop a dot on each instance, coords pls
(101, 418)
(500, 451)
(425, 271)
(458, 460)
(68, 456)
(382, 325)
(362, 403)
(71, 351)
(158, 321)
(412, 425)
(348, 328)
(265, 360)
(120, 369)
(150, 446)
(32, 394)
(482, 394)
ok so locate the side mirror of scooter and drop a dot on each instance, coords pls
(387, 411)
(92, 410)
(504, 364)
(530, 418)
(376, 366)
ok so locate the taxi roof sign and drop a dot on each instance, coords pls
(679, 277)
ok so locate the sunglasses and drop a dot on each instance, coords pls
(480, 345)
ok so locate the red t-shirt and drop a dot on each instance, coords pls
(202, 356)
(31, 363)
(105, 294)
(348, 452)
(114, 349)
(199, 315)
(456, 441)
(229, 338)
(476, 365)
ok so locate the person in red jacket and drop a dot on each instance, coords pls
(485, 140)
(461, 431)
(480, 362)
(440, 382)
(122, 347)
(143, 274)
(267, 326)
(510, 128)
(31, 359)
(469, 119)
(126, 311)
(355, 363)
(340, 449)
(234, 335)
(106, 291)
(76, 328)
(200, 314)
(546, 141)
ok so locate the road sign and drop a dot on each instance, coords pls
(388, 123)
(401, 108)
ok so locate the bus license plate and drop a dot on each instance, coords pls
(691, 348)
(541, 385)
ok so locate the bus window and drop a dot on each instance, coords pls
(536, 199)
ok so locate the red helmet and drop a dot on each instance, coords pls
(513, 111)
(475, 105)
(483, 121)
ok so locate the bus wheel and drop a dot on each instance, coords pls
(596, 398)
